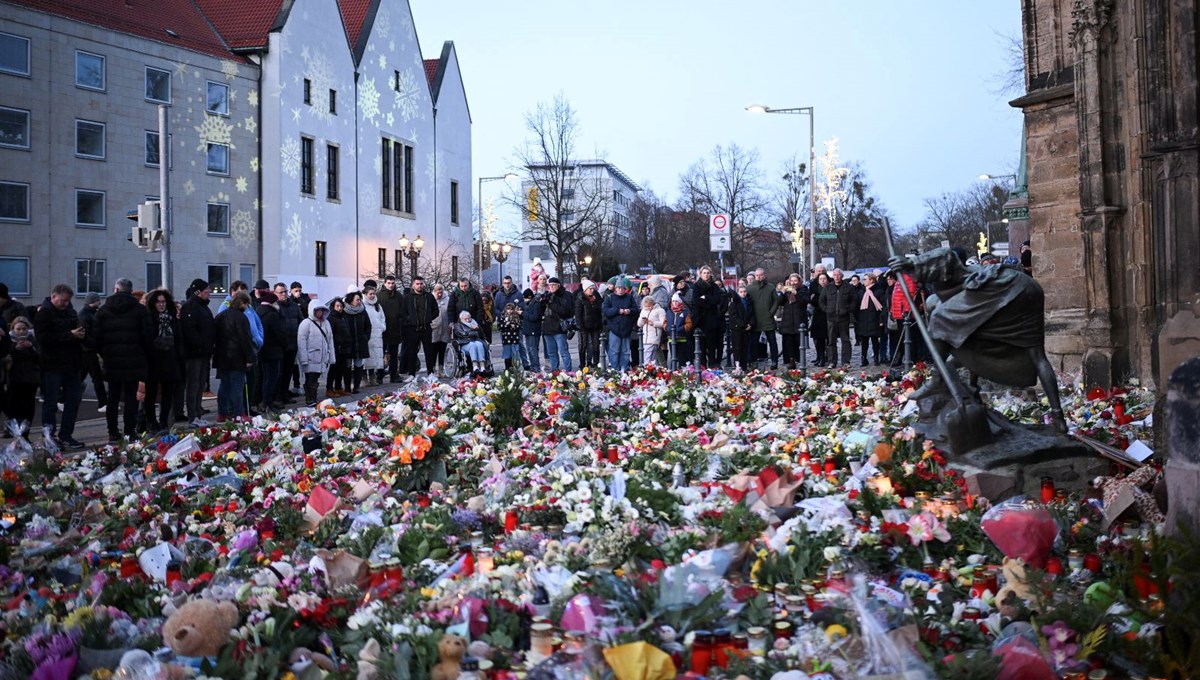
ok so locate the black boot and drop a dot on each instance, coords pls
(358, 376)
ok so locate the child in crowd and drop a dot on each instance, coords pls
(510, 334)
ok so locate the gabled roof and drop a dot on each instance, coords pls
(431, 69)
(245, 24)
(358, 16)
(435, 71)
(172, 22)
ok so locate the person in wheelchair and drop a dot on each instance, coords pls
(468, 339)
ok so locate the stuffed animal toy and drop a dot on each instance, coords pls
(451, 650)
(199, 629)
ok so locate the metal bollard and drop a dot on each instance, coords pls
(804, 349)
(908, 340)
(604, 350)
(697, 349)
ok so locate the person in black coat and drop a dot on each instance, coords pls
(91, 358)
(24, 375)
(275, 344)
(60, 337)
(590, 322)
(233, 357)
(358, 323)
(465, 297)
(337, 381)
(124, 332)
(709, 304)
(793, 313)
(197, 333)
(818, 326)
(418, 310)
(741, 327)
(557, 307)
(531, 329)
(163, 371)
(291, 314)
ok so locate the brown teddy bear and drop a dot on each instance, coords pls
(451, 650)
(200, 628)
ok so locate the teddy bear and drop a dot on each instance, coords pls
(199, 629)
(451, 650)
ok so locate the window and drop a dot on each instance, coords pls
(89, 71)
(218, 218)
(568, 194)
(217, 100)
(453, 267)
(397, 169)
(14, 202)
(218, 158)
(89, 277)
(14, 128)
(396, 81)
(320, 268)
(153, 275)
(152, 148)
(333, 101)
(568, 216)
(246, 272)
(307, 91)
(14, 273)
(14, 56)
(453, 202)
(89, 208)
(89, 139)
(331, 172)
(158, 85)
(397, 259)
(306, 166)
(218, 278)
(382, 262)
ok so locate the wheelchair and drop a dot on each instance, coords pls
(458, 363)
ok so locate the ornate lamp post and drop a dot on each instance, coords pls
(501, 251)
(412, 251)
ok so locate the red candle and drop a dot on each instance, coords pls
(815, 466)
(830, 466)
(1047, 489)
(173, 574)
(805, 458)
(1091, 562)
(612, 455)
(1054, 566)
(510, 521)
(130, 567)
(394, 572)
(309, 462)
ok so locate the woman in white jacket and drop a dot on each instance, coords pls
(652, 321)
(314, 349)
(374, 363)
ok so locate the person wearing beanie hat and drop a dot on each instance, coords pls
(620, 310)
(197, 334)
(91, 358)
(261, 284)
(198, 285)
(91, 298)
(370, 284)
(589, 319)
(267, 298)
(270, 357)
(586, 283)
(553, 279)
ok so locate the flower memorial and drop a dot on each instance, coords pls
(653, 524)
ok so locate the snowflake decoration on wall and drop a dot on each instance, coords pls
(383, 62)
(221, 197)
(215, 129)
(383, 22)
(369, 100)
(290, 156)
(320, 72)
(230, 69)
(189, 187)
(432, 163)
(407, 96)
(252, 98)
(241, 185)
(242, 228)
(405, 26)
(367, 198)
(295, 232)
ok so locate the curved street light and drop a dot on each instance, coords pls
(812, 168)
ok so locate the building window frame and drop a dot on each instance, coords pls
(103, 74)
(454, 202)
(26, 133)
(398, 156)
(223, 107)
(28, 56)
(397, 261)
(308, 164)
(153, 281)
(25, 210)
(333, 101)
(382, 262)
(208, 158)
(321, 251)
(333, 169)
(222, 218)
(215, 282)
(157, 146)
(308, 91)
(80, 125)
(91, 278)
(103, 223)
(150, 95)
(23, 289)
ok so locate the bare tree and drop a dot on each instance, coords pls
(729, 181)
(558, 204)
(960, 216)
(1010, 81)
(790, 205)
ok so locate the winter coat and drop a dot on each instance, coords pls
(60, 351)
(708, 305)
(343, 341)
(441, 325)
(314, 342)
(588, 316)
(87, 317)
(741, 314)
(899, 304)
(468, 299)
(556, 308)
(274, 332)
(817, 327)
(868, 323)
(360, 331)
(291, 315)
(11, 309)
(838, 301)
(124, 333)
(408, 310)
(163, 361)
(26, 363)
(766, 303)
(679, 325)
(392, 304)
(793, 311)
(503, 297)
(651, 321)
(233, 349)
(620, 325)
(197, 329)
(662, 294)
(464, 333)
(510, 329)
(378, 328)
(531, 316)
(256, 332)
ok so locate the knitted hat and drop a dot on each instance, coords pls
(622, 282)
(199, 285)
(553, 279)
(268, 298)
(527, 294)
(370, 283)
(587, 283)
(351, 289)
(92, 298)
(261, 284)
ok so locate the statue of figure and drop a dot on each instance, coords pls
(987, 318)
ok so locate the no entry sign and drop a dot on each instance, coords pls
(718, 224)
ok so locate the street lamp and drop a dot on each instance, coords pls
(986, 176)
(500, 251)
(483, 247)
(585, 266)
(812, 169)
(412, 251)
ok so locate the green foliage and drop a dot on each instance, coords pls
(134, 596)
(656, 504)
(506, 404)
(738, 524)
(759, 611)
(580, 410)
(362, 544)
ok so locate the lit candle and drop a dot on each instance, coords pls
(882, 484)
(486, 560)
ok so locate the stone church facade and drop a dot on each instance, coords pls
(1112, 145)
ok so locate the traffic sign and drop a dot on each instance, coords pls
(826, 234)
(719, 244)
(718, 224)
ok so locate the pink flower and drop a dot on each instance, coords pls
(925, 526)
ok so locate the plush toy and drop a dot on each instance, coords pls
(451, 650)
(199, 629)
(302, 657)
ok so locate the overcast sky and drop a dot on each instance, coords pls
(908, 88)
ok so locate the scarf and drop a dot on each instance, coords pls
(869, 297)
(164, 325)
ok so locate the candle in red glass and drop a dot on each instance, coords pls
(1047, 489)
(830, 465)
(1091, 562)
(510, 521)
(130, 567)
(393, 571)
(1054, 566)
(309, 462)
(173, 573)
(612, 455)
(815, 466)
(702, 652)
(601, 455)
(376, 576)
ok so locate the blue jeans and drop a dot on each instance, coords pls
(618, 352)
(231, 397)
(476, 350)
(71, 388)
(513, 352)
(533, 350)
(558, 352)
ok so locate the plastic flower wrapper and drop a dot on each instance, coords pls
(872, 603)
(18, 450)
(639, 661)
(687, 584)
(1020, 531)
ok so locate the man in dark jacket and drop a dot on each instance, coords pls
(837, 301)
(621, 312)
(557, 307)
(275, 342)
(291, 315)
(198, 332)
(508, 293)
(60, 339)
(391, 301)
(124, 333)
(590, 321)
(766, 303)
(233, 355)
(708, 312)
(465, 298)
(418, 310)
(91, 358)
(531, 330)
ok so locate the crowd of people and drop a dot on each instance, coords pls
(150, 358)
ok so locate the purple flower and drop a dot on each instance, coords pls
(466, 520)
(1057, 633)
